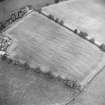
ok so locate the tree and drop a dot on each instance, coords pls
(83, 34)
(1, 27)
(3, 57)
(15, 62)
(20, 14)
(102, 47)
(61, 22)
(39, 10)
(13, 17)
(49, 75)
(2, 0)
(92, 40)
(47, 4)
(26, 66)
(77, 31)
(57, 20)
(9, 60)
(57, 1)
(51, 17)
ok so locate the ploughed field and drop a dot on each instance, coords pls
(86, 15)
(42, 43)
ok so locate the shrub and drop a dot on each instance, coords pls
(92, 40)
(2, 0)
(39, 10)
(36, 70)
(20, 14)
(26, 66)
(9, 61)
(15, 62)
(51, 17)
(3, 57)
(47, 4)
(83, 34)
(56, 1)
(30, 7)
(57, 20)
(49, 75)
(77, 31)
(102, 47)
(61, 22)
(13, 17)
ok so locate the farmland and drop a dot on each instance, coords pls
(10, 5)
(19, 86)
(86, 15)
(94, 94)
(55, 49)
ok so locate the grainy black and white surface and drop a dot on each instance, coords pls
(21, 87)
(42, 43)
(86, 15)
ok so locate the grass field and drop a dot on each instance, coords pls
(25, 87)
(94, 94)
(86, 15)
(43, 43)
(10, 5)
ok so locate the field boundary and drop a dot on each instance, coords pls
(70, 83)
(78, 32)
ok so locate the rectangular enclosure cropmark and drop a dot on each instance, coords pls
(42, 43)
(86, 15)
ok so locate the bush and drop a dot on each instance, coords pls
(56, 1)
(83, 34)
(26, 66)
(2, 25)
(92, 40)
(47, 4)
(30, 7)
(9, 61)
(51, 17)
(102, 47)
(61, 22)
(13, 17)
(36, 70)
(39, 10)
(77, 31)
(15, 62)
(57, 20)
(3, 57)
(20, 14)
(49, 75)
(2, 0)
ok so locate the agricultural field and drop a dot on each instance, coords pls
(19, 86)
(9, 5)
(85, 15)
(54, 49)
(94, 94)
